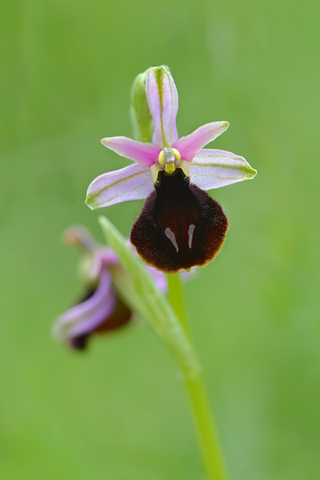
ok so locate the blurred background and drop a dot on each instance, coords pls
(118, 411)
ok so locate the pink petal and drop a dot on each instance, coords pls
(217, 168)
(145, 154)
(162, 98)
(128, 183)
(190, 145)
(89, 314)
(95, 319)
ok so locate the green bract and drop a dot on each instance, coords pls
(141, 118)
(140, 292)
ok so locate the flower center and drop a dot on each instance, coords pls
(168, 161)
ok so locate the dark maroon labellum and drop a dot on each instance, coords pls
(180, 225)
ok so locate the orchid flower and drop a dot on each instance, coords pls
(101, 309)
(180, 225)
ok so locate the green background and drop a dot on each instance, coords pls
(118, 411)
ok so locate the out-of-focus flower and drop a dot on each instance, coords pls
(101, 309)
(180, 225)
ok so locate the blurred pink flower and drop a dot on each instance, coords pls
(100, 309)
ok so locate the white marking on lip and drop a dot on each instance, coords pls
(169, 234)
(190, 234)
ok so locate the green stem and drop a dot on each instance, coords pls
(203, 419)
(207, 434)
(176, 299)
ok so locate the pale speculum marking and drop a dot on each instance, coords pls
(190, 234)
(169, 234)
